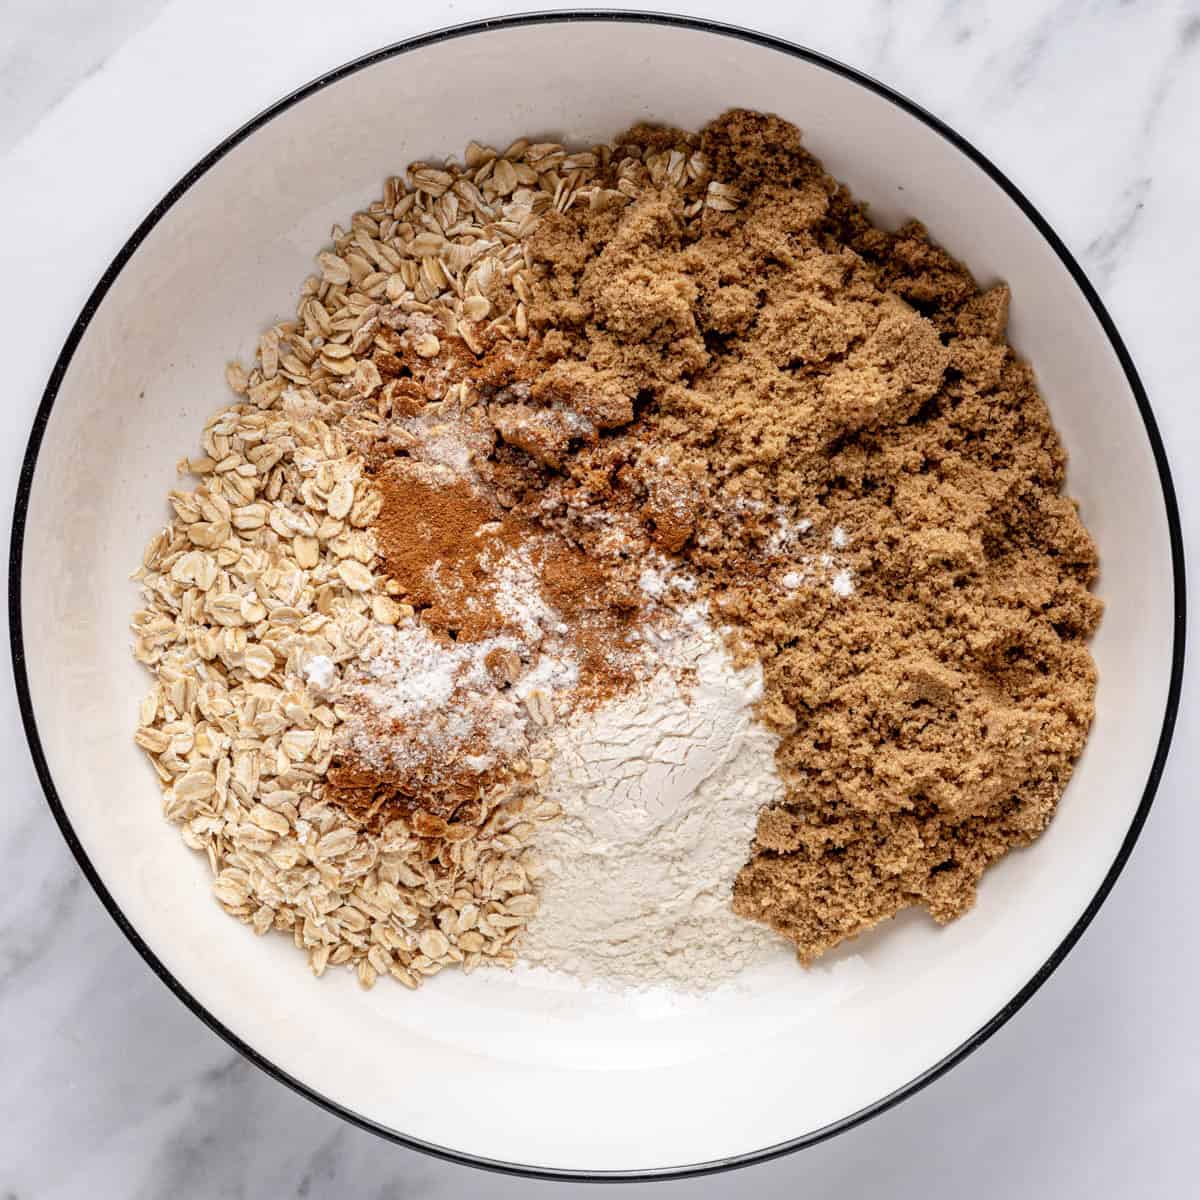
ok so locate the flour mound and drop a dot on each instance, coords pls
(660, 790)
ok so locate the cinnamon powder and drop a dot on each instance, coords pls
(475, 575)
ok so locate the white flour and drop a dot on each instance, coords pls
(660, 791)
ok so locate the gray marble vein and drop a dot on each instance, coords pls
(1103, 252)
(46, 49)
(111, 1088)
(1106, 250)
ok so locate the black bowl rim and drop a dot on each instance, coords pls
(574, 16)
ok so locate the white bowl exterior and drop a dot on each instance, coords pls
(490, 1066)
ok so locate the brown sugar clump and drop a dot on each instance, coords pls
(825, 422)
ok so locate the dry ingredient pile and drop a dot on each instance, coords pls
(659, 792)
(624, 558)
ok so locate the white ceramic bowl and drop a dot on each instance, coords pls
(488, 1069)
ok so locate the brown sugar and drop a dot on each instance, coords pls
(825, 423)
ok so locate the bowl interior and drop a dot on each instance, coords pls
(498, 1067)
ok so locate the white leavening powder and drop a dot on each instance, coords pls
(660, 790)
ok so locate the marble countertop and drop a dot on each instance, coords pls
(110, 1088)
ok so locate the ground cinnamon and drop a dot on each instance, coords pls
(492, 594)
